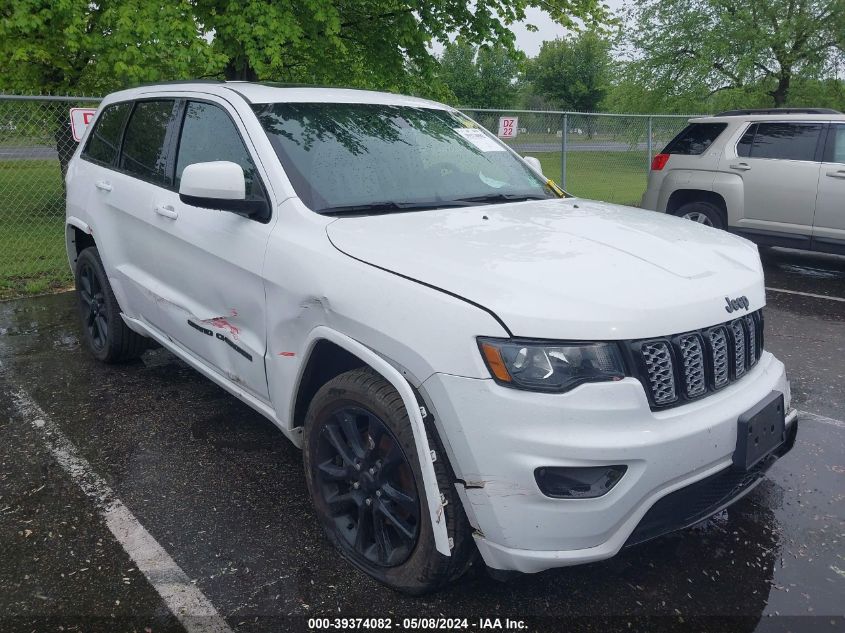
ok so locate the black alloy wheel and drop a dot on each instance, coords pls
(93, 306)
(103, 330)
(368, 485)
(363, 472)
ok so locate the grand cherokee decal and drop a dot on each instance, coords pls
(221, 337)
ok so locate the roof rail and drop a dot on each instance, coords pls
(779, 111)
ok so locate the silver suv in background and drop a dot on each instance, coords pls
(776, 177)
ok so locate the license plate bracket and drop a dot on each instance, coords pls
(760, 431)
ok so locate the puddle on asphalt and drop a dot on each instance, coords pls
(812, 272)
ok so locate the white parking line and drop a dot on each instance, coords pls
(815, 417)
(190, 606)
(806, 294)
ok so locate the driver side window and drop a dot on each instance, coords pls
(208, 134)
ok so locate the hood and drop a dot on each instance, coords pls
(566, 269)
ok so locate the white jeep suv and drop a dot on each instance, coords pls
(776, 177)
(471, 360)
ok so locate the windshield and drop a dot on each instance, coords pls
(343, 157)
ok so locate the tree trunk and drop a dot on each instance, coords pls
(239, 69)
(780, 94)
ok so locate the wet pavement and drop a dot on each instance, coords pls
(223, 493)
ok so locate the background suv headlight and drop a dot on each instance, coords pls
(550, 366)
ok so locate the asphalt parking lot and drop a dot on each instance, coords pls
(228, 531)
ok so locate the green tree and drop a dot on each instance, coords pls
(746, 48)
(99, 45)
(572, 73)
(384, 44)
(73, 46)
(480, 76)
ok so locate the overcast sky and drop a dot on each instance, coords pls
(548, 29)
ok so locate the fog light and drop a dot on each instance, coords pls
(578, 483)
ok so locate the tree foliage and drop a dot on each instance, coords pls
(746, 48)
(63, 46)
(480, 76)
(99, 45)
(572, 73)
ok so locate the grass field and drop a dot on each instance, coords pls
(609, 176)
(32, 252)
(32, 249)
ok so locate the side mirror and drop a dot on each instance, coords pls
(534, 164)
(218, 185)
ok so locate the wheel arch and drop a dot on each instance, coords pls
(680, 197)
(78, 237)
(342, 353)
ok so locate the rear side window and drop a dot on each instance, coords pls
(147, 140)
(104, 142)
(836, 145)
(784, 141)
(209, 134)
(695, 138)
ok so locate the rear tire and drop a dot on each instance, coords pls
(363, 414)
(703, 213)
(105, 334)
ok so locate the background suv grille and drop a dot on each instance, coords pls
(686, 366)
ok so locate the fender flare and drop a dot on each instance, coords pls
(389, 373)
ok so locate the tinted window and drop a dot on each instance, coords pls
(786, 141)
(836, 145)
(208, 134)
(695, 138)
(103, 143)
(145, 143)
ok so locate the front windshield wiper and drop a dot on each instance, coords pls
(387, 207)
(493, 198)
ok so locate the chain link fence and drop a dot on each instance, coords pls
(35, 142)
(600, 156)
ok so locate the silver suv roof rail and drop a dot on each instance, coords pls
(779, 111)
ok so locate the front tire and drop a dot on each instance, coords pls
(105, 334)
(703, 213)
(363, 473)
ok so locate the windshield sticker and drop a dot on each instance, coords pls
(480, 139)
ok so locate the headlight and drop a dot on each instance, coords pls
(536, 366)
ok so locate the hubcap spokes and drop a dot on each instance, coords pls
(92, 304)
(368, 486)
(698, 217)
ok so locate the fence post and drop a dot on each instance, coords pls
(564, 133)
(649, 145)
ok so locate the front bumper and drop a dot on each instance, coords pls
(497, 437)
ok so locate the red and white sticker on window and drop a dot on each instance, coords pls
(79, 120)
(508, 126)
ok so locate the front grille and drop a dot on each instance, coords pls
(687, 366)
(661, 377)
(692, 357)
(719, 351)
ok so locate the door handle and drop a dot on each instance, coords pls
(167, 211)
(741, 166)
(103, 185)
(837, 174)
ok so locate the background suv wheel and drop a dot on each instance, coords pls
(703, 213)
